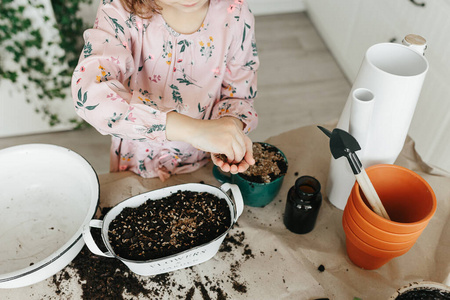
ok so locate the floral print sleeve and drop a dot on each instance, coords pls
(239, 84)
(101, 86)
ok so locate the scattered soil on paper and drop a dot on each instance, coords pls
(106, 278)
(424, 294)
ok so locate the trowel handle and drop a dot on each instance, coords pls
(371, 194)
(354, 162)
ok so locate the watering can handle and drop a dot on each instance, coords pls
(89, 240)
(236, 197)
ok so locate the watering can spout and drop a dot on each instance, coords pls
(379, 110)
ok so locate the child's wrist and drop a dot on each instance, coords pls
(180, 127)
(237, 121)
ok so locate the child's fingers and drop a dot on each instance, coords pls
(243, 166)
(234, 169)
(239, 158)
(217, 160)
(248, 157)
(220, 163)
(238, 155)
(241, 147)
(234, 151)
(226, 167)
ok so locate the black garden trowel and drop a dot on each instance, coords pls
(343, 143)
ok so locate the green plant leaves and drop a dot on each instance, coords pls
(24, 43)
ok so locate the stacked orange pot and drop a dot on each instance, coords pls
(372, 240)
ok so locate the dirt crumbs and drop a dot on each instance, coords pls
(105, 278)
(424, 294)
(162, 227)
(269, 164)
(222, 157)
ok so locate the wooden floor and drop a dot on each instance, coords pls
(299, 83)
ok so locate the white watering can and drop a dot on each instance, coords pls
(378, 111)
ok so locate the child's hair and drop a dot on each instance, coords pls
(142, 8)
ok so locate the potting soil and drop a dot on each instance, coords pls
(162, 227)
(269, 164)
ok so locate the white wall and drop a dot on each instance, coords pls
(350, 27)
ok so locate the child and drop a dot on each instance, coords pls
(173, 82)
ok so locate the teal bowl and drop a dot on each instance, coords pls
(254, 193)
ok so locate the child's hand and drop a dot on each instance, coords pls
(223, 136)
(234, 167)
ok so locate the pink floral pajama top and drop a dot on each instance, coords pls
(133, 71)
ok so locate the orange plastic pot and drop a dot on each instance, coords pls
(350, 210)
(407, 197)
(373, 241)
(365, 256)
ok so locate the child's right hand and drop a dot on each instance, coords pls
(235, 166)
(224, 136)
